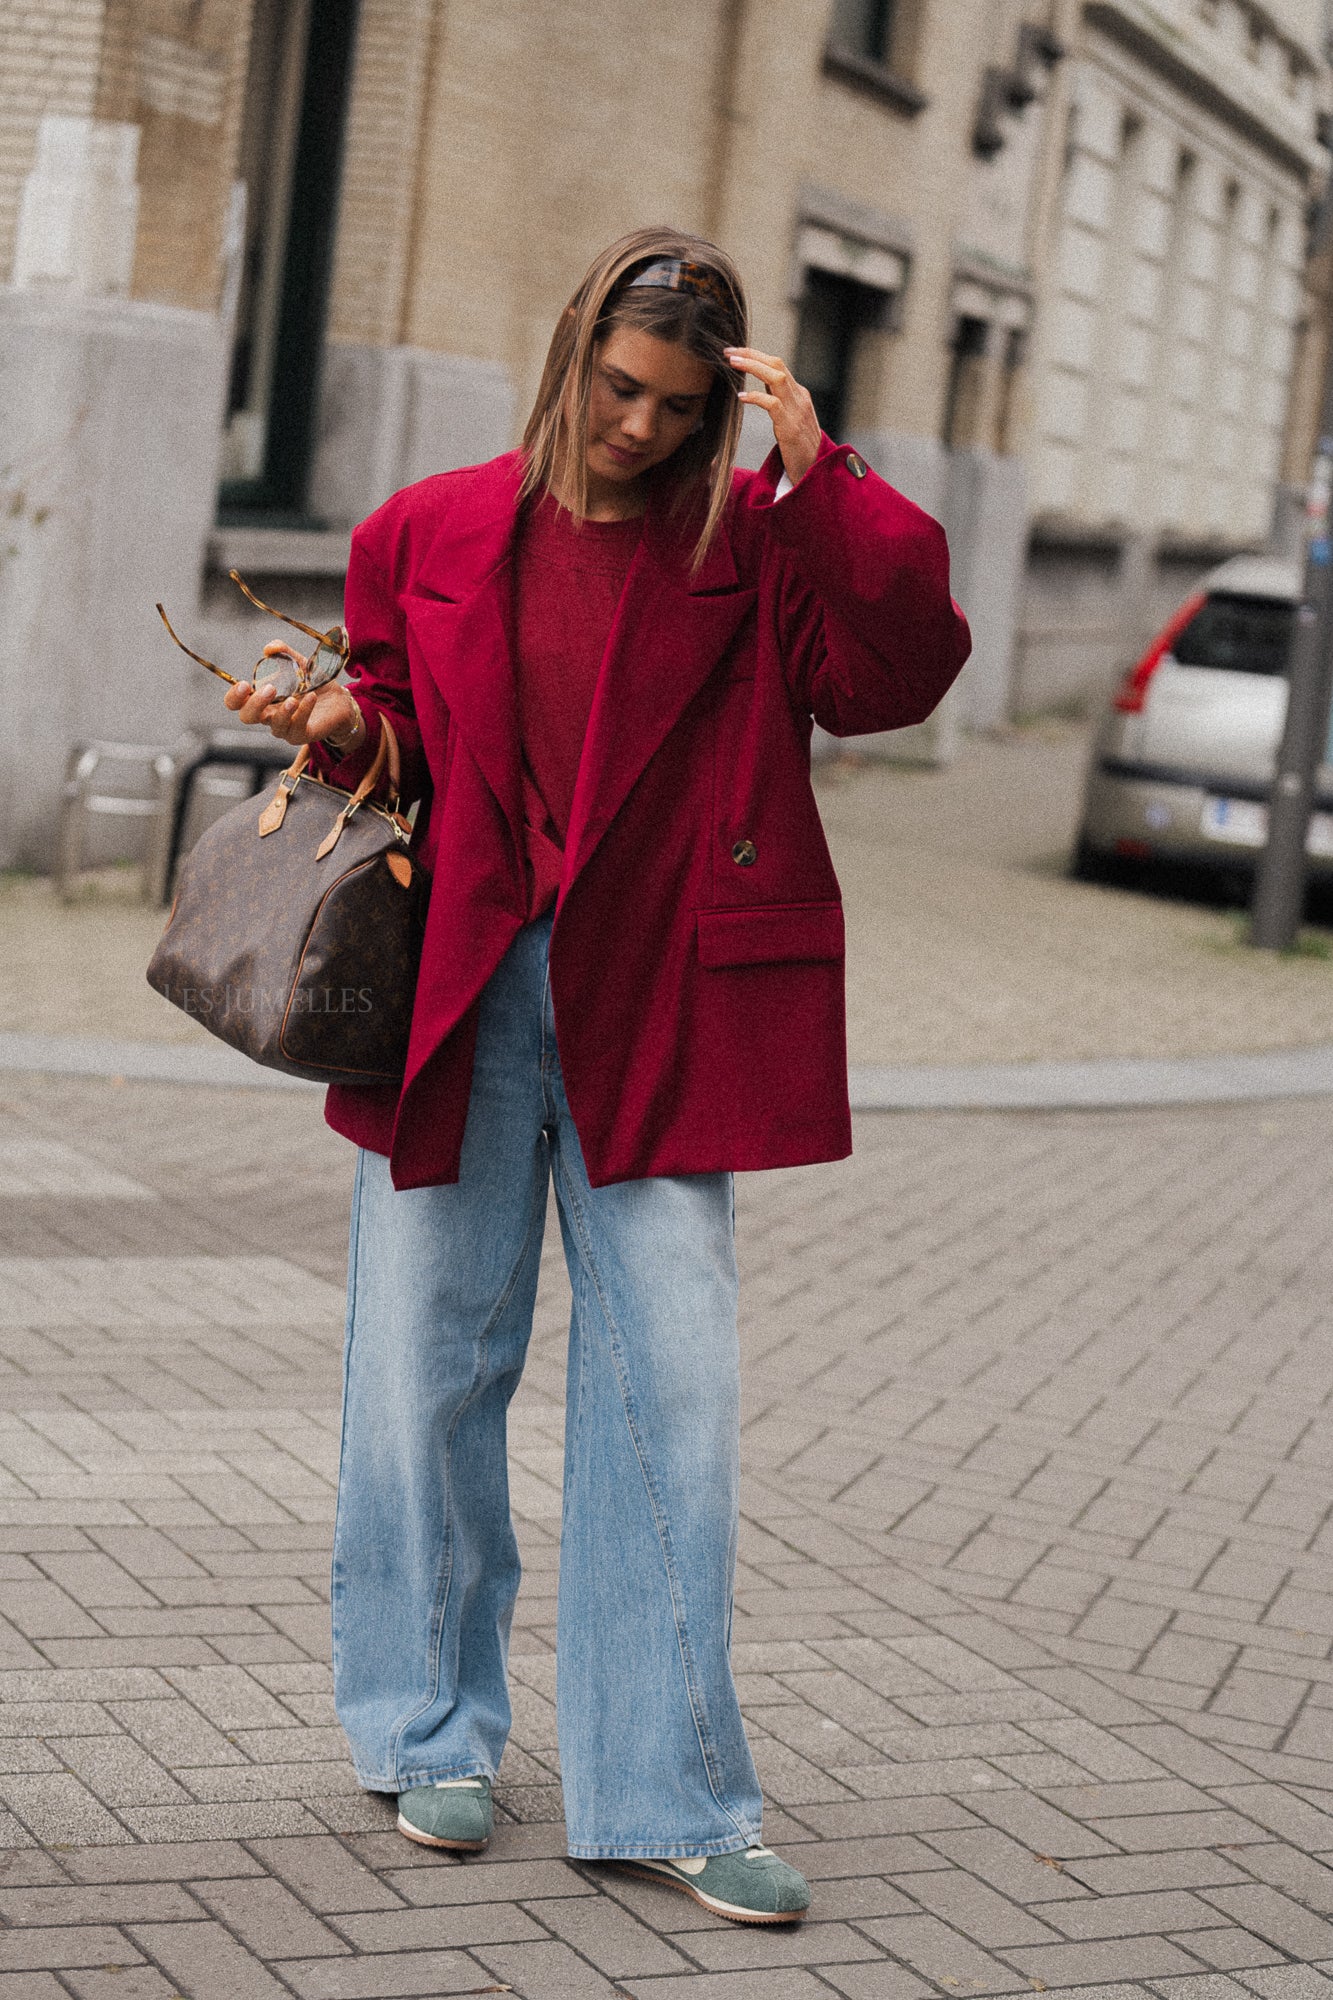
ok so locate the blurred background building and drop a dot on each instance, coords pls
(1043, 261)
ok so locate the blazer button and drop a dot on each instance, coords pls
(855, 465)
(745, 854)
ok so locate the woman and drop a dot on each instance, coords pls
(601, 655)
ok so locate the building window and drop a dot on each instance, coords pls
(965, 397)
(835, 314)
(290, 152)
(865, 28)
(871, 45)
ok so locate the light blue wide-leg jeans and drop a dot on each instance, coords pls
(441, 1284)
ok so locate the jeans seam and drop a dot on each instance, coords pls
(444, 1576)
(353, 1252)
(664, 1543)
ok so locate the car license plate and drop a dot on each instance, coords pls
(1244, 823)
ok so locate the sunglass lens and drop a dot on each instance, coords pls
(279, 673)
(326, 666)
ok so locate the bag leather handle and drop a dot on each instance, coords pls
(386, 752)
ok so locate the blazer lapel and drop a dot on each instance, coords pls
(669, 633)
(457, 609)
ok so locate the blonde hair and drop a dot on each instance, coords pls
(699, 472)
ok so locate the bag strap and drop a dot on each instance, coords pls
(386, 754)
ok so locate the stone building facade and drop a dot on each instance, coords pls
(1175, 318)
(268, 260)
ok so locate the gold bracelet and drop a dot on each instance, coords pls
(356, 738)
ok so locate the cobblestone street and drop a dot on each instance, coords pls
(1034, 1619)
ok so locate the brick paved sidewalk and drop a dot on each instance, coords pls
(1035, 1615)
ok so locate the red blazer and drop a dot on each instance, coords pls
(697, 950)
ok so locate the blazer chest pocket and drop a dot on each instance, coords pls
(769, 936)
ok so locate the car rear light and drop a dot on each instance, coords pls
(1133, 690)
(1134, 850)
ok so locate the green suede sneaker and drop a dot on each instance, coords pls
(453, 1812)
(750, 1887)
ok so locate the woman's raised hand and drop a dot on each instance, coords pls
(326, 713)
(795, 425)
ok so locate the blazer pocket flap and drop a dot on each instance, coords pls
(768, 936)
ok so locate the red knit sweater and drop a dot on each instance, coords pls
(568, 579)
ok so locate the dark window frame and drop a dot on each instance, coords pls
(278, 496)
(864, 50)
(849, 309)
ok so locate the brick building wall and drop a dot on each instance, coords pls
(49, 56)
(177, 70)
(382, 166)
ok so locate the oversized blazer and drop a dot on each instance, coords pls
(696, 958)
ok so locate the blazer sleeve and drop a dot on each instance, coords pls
(380, 683)
(870, 637)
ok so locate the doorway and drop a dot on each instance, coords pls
(835, 312)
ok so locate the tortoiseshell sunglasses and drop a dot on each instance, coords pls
(286, 676)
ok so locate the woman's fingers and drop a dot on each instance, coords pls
(250, 703)
(795, 425)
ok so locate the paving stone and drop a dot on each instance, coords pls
(869, 1982)
(266, 1820)
(1229, 1949)
(187, 1861)
(131, 1982)
(268, 1919)
(1289, 1982)
(1038, 1826)
(174, 1732)
(118, 1771)
(64, 1945)
(1118, 1958)
(978, 1911)
(1271, 1915)
(208, 1963)
(96, 1903)
(486, 1881)
(1155, 1832)
(1131, 1915)
(326, 1877)
(395, 1976)
(934, 1949)
(1308, 1880)
(58, 1810)
(1199, 1986)
(437, 1928)
(550, 1971)
(607, 1936)
(1295, 1819)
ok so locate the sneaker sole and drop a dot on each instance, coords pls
(433, 1839)
(733, 1911)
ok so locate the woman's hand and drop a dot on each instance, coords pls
(327, 715)
(795, 425)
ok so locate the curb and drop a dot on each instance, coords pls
(1113, 1083)
(141, 1062)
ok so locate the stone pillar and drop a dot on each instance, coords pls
(109, 435)
(985, 513)
(389, 415)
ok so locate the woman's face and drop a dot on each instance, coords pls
(647, 396)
